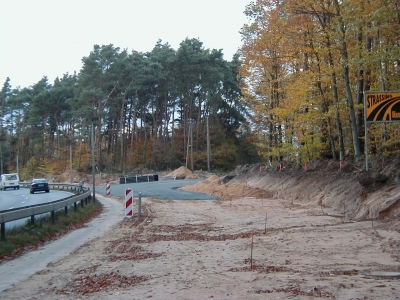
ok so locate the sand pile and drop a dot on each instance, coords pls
(213, 179)
(181, 173)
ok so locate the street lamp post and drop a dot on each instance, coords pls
(70, 161)
(94, 119)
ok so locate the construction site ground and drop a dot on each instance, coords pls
(319, 233)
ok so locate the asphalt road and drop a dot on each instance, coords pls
(18, 198)
(10, 199)
(164, 189)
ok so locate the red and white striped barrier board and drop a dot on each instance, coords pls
(108, 188)
(128, 203)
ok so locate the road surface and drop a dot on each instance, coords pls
(165, 189)
(10, 199)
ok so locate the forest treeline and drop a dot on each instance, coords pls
(147, 110)
(306, 67)
(294, 92)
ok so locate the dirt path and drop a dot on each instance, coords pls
(202, 249)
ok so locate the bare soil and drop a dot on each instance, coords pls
(323, 233)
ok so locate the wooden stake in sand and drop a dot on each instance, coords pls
(372, 219)
(344, 211)
(265, 227)
(251, 253)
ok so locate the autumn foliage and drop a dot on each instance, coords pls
(306, 66)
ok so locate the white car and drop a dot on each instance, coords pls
(9, 181)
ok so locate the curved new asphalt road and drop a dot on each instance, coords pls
(164, 189)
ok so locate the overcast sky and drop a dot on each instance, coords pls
(50, 37)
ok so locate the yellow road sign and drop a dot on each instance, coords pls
(382, 106)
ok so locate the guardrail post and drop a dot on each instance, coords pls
(82, 203)
(32, 219)
(66, 210)
(75, 207)
(53, 217)
(3, 231)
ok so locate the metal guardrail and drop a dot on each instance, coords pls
(56, 186)
(50, 207)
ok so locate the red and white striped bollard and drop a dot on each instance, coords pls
(108, 188)
(128, 203)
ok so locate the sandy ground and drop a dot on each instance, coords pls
(203, 250)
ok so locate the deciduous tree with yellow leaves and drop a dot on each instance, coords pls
(306, 66)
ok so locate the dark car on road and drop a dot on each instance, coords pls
(39, 185)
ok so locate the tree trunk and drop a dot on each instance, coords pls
(337, 114)
(360, 93)
(173, 134)
(79, 155)
(165, 129)
(122, 134)
(345, 64)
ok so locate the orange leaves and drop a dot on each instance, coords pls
(295, 60)
(95, 283)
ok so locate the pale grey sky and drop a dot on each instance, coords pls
(50, 37)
